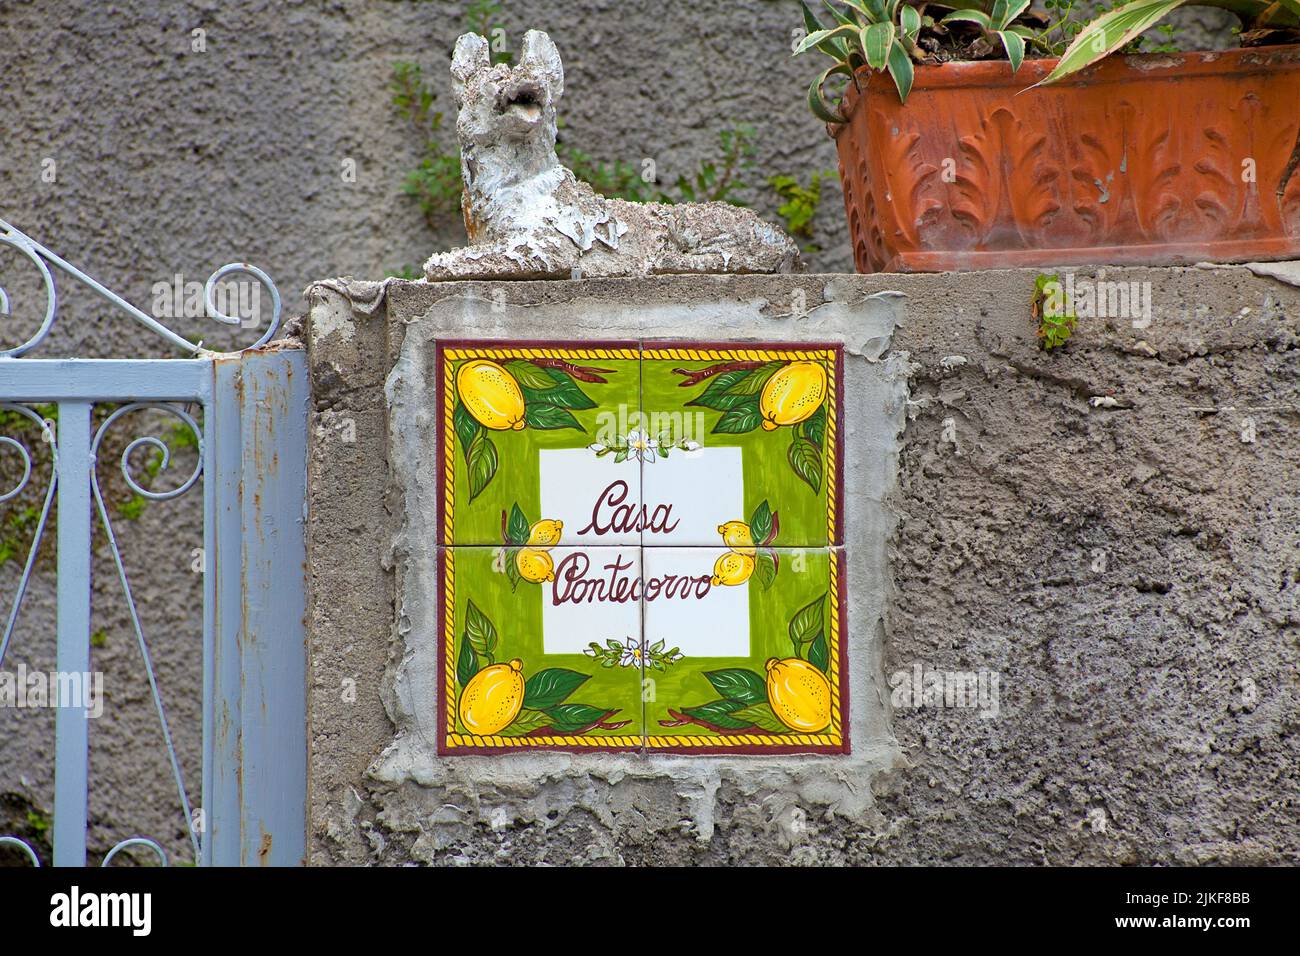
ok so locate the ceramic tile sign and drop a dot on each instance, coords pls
(640, 547)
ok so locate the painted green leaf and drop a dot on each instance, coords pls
(752, 383)
(807, 623)
(876, 40)
(806, 460)
(527, 721)
(760, 522)
(819, 654)
(512, 569)
(482, 463)
(716, 395)
(465, 426)
(466, 664)
(574, 718)
(761, 716)
(741, 419)
(529, 375)
(480, 632)
(549, 687)
(814, 429)
(900, 68)
(1108, 33)
(517, 526)
(718, 713)
(765, 564)
(563, 392)
(736, 683)
(548, 417)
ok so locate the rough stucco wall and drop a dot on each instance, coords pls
(1148, 705)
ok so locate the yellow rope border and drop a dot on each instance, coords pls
(454, 740)
(455, 354)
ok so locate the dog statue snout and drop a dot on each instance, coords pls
(525, 94)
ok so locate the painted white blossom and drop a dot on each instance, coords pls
(633, 653)
(642, 445)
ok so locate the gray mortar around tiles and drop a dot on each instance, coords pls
(875, 403)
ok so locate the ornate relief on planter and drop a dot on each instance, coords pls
(1157, 159)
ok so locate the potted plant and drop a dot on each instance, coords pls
(978, 134)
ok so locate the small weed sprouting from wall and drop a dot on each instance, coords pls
(1055, 323)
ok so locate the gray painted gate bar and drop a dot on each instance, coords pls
(256, 745)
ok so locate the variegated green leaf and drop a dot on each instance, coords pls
(810, 22)
(1108, 33)
(900, 68)
(909, 18)
(872, 10)
(971, 16)
(1013, 9)
(834, 48)
(1014, 44)
(817, 101)
(816, 39)
(876, 41)
(839, 15)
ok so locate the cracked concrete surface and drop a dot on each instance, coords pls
(1128, 568)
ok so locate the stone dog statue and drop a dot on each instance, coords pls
(528, 217)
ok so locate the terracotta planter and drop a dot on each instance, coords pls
(1153, 159)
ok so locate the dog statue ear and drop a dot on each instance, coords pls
(471, 56)
(540, 52)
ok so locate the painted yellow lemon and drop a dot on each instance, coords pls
(799, 694)
(737, 536)
(792, 394)
(491, 395)
(492, 698)
(545, 533)
(535, 565)
(732, 568)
